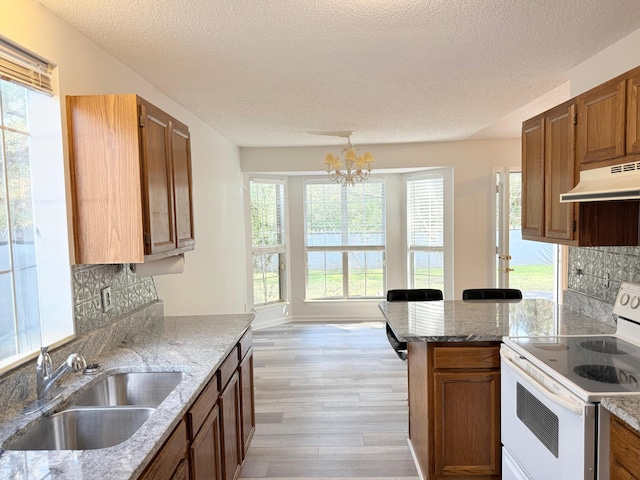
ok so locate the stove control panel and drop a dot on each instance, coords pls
(628, 301)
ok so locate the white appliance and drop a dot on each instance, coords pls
(552, 425)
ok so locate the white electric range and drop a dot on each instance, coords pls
(552, 425)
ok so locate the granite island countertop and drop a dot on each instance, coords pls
(195, 345)
(485, 320)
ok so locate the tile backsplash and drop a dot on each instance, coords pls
(128, 293)
(595, 274)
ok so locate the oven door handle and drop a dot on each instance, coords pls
(550, 395)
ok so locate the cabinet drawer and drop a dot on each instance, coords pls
(245, 343)
(197, 414)
(468, 358)
(625, 445)
(228, 368)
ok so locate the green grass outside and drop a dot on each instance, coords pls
(528, 278)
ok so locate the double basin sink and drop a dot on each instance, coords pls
(105, 415)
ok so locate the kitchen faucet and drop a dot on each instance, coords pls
(46, 377)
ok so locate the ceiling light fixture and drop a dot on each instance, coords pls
(349, 167)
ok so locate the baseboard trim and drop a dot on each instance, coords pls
(415, 459)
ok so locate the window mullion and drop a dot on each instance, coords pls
(345, 274)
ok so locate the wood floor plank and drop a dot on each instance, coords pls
(331, 403)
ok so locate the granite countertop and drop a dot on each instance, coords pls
(625, 407)
(195, 345)
(485, 320)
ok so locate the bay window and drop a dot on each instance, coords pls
(344, 240)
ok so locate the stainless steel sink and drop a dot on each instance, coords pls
(147, 389)
(106, 414)
(81, 429)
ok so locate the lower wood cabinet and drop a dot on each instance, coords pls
(231, 434)
(203, 419)
(204, 452)
(170, 462)
(247, 403)
(454, 409)
(212, 440)
(625, 451)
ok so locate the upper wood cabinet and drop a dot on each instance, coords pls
(548, 169)
(608, 130)
(533, 196)
(552, 144)
(130, 180)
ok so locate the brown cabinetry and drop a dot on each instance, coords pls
(449, 438)
(130, 180)
(549, 168)
(625, 451)
(171, 461)
(608, 128)
(212, 440)
(533, 196)
(204, 432)
(231, 434)
(602, 124)
(247, 403)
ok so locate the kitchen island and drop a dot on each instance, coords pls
(194, 345)
(454, 375)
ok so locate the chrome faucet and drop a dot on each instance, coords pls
(46, 377)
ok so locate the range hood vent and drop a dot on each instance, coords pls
(620, 182)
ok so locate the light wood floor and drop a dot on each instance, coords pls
(331, 402)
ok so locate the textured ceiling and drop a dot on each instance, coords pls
(265, 72)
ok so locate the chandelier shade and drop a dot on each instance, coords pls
(351, 168)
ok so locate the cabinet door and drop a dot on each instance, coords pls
(229, 403)
(633, 115)
(182, 471)
(602, 125)
(624, 452)
(181, 149)
(560, 169)
(533, 177)
(204, 453)
(247, 405)
(467, 423)
(166, 464)
(157, 180)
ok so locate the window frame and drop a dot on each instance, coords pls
(345, 250)
(279, 249)
(446, 174)
(50, 213)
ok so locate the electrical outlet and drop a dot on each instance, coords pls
(107, 299)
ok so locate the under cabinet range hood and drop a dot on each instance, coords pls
(619, 182)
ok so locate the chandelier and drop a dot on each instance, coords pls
(349, 167)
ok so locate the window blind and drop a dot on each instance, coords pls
(338, 216)
(425, 212)
(18, 65)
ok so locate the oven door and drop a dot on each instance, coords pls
(548, 434)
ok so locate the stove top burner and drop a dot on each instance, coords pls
(608, 345)
(606, 374)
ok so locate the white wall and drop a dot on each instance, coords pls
(614, 60)
(473, 161)
(214, 277)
